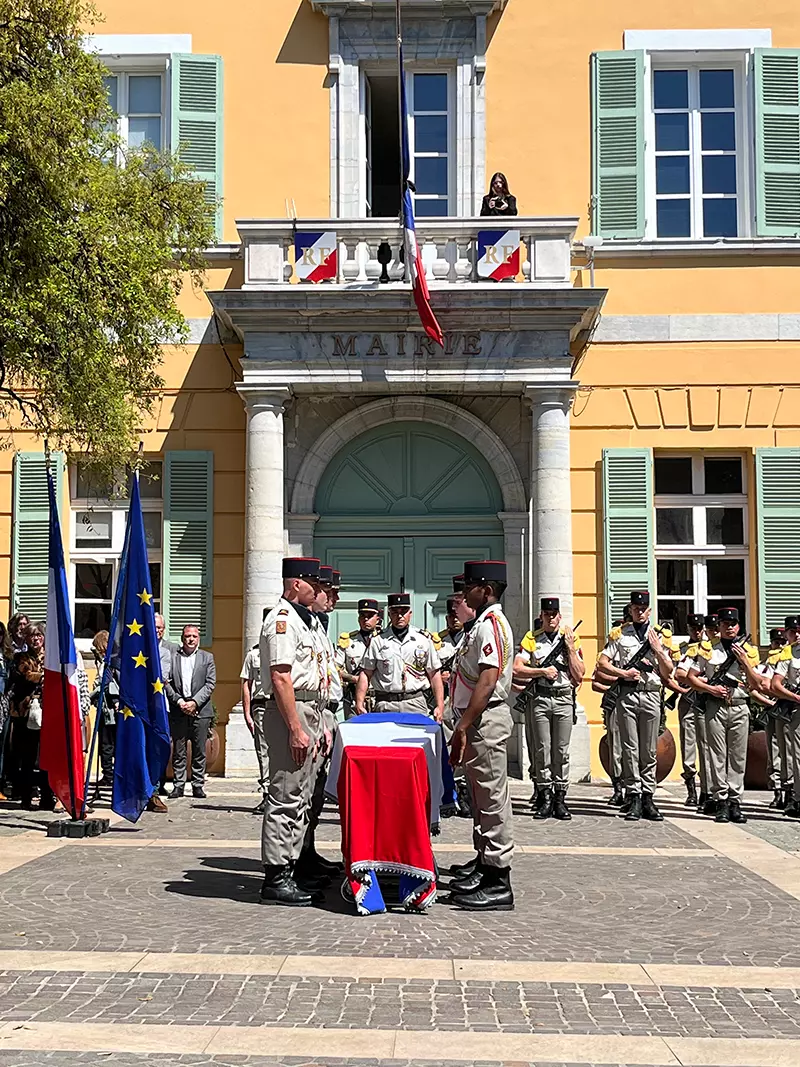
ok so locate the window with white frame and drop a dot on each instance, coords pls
(139, 100)
(99, 514)
(698, 173)
(430, 132)
(701, 536)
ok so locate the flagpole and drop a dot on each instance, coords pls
(123, 568)
(400, 121)
(64, 684)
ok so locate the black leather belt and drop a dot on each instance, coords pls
(399, 696)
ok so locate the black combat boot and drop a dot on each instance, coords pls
(560, 809)
(634, 812)
(792, 810)
(311, 863)
(710, 807)
(617, 798)
(691, 793)
(492, 894)
(788, 796)
(723, 812)
(777, 799)
(701, 802)
(467, 883)
(458, 870)
(649, 809)
(280, 888)
(735, 812)
(544, 804)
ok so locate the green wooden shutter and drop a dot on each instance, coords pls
(31, 531)
(627, 526)
(777, 90)
(618, 144)
(778, 514)
(197, 121)
(188, 580)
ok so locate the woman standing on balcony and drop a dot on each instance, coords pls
(499, 201)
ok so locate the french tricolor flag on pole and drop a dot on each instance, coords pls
(61, 740)
(415, 270)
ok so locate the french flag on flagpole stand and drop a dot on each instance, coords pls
(416, 272)
(61, 739)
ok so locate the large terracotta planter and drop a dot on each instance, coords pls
(665, 755)
(755, 775)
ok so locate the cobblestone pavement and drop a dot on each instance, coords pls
(396, 1004)
(168, 1059)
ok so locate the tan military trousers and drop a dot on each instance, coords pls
(551, 726)
(639, 715)
(614, 743)
(793, 746)
(486, 772)
(687, 726)
(290, 787)
(702, 751)
(779, 752)
(258, 710)
(727, 730)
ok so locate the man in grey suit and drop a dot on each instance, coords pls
(192, 678)
(165, 650)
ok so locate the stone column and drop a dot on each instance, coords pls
(551, 540)
(515, 541)
(264, 541)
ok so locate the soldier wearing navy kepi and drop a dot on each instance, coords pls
(295, 684)
(480, 691)
(638, 705)
(551, 707)
(727, 712)
(403, 666)
(785, 685)
(351, 648)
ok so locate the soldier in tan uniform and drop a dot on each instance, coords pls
(785, 685)
(638, 702)
(481, 688)
(687, 720)
(351, 648)
(779, 756)
(295, 684)
(402, 664)
(551, 706)
(727, 712)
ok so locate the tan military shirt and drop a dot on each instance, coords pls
(490, 643)
(286, 640)
(401, 664)
(251, 672)
(624, 641)
(350, 649)
(711, 656)
(536, 646)
(788, 665)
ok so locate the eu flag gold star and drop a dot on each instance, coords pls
(145, 597)
(127, 713)
(158, 686)
(134, 627)
(140, 659)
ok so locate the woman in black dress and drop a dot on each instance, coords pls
(499, 201)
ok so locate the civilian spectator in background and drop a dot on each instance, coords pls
(6, 661)
(499, 201)
(165, 647)
(192, 679)
(25, 703)
(107, 731)
(17, 625)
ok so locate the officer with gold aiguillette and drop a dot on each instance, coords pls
(403, 666)
(550, 704)
(635, 655)
(351, 648)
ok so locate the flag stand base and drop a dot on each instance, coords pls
(78, 828)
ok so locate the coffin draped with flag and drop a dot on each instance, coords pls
(143, 736)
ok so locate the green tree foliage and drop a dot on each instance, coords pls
(95, 241)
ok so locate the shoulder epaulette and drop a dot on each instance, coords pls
(283, 611)
(443, 634)
(528, 642)
(434, 637)
(705, 648)
(752, 654)
(615, 634)
(345, 640)
(692, 649)
(784, 653)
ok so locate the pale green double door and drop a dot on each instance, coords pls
(422, 565)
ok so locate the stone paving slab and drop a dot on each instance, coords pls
(601, 908)
(777, 830)
(176, 1059)
(396, 1004)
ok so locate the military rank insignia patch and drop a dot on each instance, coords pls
(487, 650)
(280, 626)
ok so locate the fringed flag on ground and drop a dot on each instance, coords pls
(61, 738)
(143, 738)
(416, 271)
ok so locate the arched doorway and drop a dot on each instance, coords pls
(401, 507)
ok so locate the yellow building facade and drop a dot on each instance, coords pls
(625, 413)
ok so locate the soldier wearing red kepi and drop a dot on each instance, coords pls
(481, 685)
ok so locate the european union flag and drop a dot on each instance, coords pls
(143, 737)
